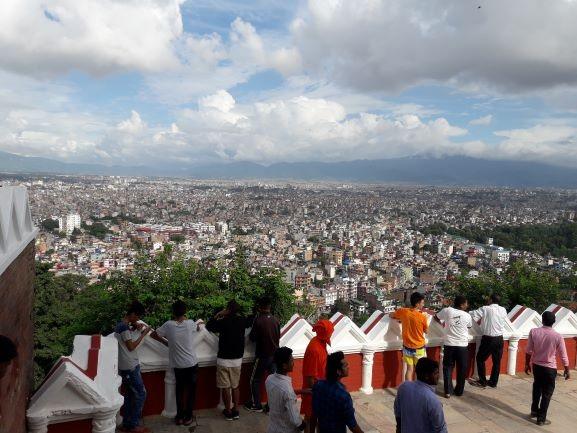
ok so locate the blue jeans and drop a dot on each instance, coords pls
(134, 397)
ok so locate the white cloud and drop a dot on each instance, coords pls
(482, 121)
(49, 37)
(375, 45)
(551, 142)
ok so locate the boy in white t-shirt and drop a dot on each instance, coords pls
(179, 335)
(457, 322)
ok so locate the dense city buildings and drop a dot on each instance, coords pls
(364, 245)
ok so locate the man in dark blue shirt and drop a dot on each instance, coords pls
(332, 404)
(417, 408)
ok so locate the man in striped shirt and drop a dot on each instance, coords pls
(543, 346)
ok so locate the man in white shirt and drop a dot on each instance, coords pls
(284, 414)
(456, 322)
(179, 335)
(493, 318)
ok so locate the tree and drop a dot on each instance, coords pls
(49, 224)
(67, 306)
(520, 284)
(340, 306)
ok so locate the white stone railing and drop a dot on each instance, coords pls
(378, 334)
(16, 227)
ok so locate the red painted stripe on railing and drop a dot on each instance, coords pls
(287, 329)
(374, 323)
(92, 364)
(339, 319)
(556, 309)
(518, 313)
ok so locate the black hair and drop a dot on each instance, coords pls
(8, 349)
(233, 307)
(548, 318)
(136, 308)
(425, 367)
(495, 299)
(334, 364)
(282, 356)
(416, 297)
(179, 308)
(459, 300)
(264, 302)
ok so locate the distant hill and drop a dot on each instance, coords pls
(412, 170)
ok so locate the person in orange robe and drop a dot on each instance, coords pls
(314, 367)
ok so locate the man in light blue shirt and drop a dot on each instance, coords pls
(417, 407)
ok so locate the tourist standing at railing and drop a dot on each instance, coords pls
(284, 414)
(130, 333)
(265, 333)
(415, 325)
(314, 367)
(493, 318)
(332, 404)
(230, 326)
(179, 335)
(417, 408)
(455, 344)
(543, 347)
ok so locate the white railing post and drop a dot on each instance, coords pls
(38, 425)
(169, 394)
(104, 422)
(367, 371)
(512, 362)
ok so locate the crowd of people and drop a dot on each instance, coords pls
(326, 405)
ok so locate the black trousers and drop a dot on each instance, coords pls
(455, 355)
(543, 387)
(185, 391)
(493, 347)
(261, 366)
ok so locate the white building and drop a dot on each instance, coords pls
(500, 255)
(68, 224)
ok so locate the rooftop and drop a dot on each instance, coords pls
(504, 409)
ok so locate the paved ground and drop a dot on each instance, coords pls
(504, 409)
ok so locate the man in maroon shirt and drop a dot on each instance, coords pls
(265, 333)
(543, 346)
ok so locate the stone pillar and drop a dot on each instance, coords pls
(104, 422)
(38, 425)
(367, 383)
(169, 394)
(512, 361)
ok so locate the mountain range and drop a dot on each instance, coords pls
(450, 171)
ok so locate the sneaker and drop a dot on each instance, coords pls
(227, 415)
(178, 421)
(447, 395)
(534, 414)
(543, 422)
(253, 408)
(477, 383)
(235, 414)
(188, 421)
(492, 385)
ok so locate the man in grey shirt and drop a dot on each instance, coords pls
(179, 335)
(129, 333)
(284, 414)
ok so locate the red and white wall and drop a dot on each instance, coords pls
(373, 352)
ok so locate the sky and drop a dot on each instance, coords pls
(173, 82)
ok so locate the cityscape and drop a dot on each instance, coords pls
(363, 246)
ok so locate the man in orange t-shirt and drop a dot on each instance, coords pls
(314, 366)
(415, 325)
